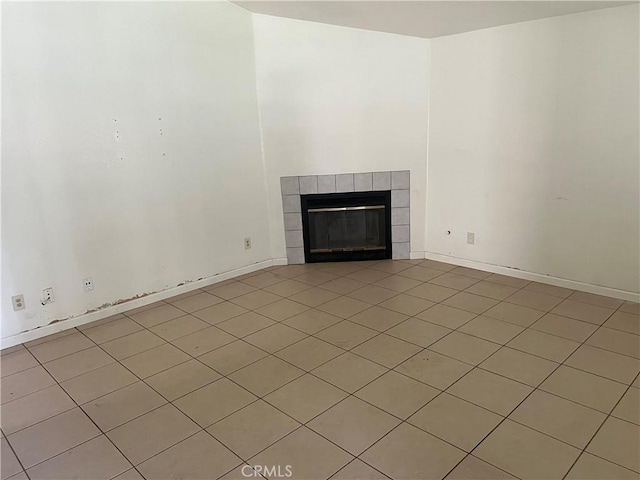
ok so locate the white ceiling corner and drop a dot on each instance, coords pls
(423, 18)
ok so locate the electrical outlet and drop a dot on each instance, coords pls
(247, 243)
(471, 238)
(47, 296)
(88, 284)
(18, 302)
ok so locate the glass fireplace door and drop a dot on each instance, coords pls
(347, 229)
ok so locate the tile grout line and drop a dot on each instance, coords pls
(273, 354)
(520, 403)
(353, 394)
(241, 338)
(102, 433)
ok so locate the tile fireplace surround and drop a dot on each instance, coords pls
(398, 182)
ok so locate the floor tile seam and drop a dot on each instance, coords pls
(316, 433)
(439, 394)
(611, 351)
(549, 294)
(299, 341)
(15, 454)
(7, 435)
(264, 305)
(506, 300)
(197, 310)
(598, 325)
(569, 356)
(243, 336)
(531, 393)
(197, 357)
(237, 454)
(18, 371)
(230, 318)
(600, 348)
(42, 340)
(615, 309)
(431, 281)
(224, 417)
(137, 353)
(119, 336)
(268, 353)
(559, 364)
(563, 363)
(355, 346)
(279, 280)
(140, 378)
(533, 389)
(136, 465)
(287, 295)
(386, 332)
(627, 389)
(473, 366)
(481, 460)
(584, 452)
(400, 419)
(620, 330)
(464, 274)
(181, 336)
(532, 327)
(189, 392)
(394, 311)
(505, 417)
(200, 354)
(519, 288)
(348, 394)
(422, 430)
(466, 290)
(93, 437)
(66, 354)
(208, 366)
(368, 464)
(605, 421)
(162, 322)
(422, 349)
(58, 384)
(581, 449)
(395, 294)
(475, 315)
(83, 411)
(34, 391)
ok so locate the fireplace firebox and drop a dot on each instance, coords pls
(346, 226)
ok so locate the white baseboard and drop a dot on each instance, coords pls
(123, 307)
(171, 292)
(538, 277)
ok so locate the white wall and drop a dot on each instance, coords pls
(145, 213)
(340, 100)
(533, 145)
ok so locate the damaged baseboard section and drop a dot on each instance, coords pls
(124, 305)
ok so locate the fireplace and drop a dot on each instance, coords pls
(346, 215)
(346, 226)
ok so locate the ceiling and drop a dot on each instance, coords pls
(427, 19)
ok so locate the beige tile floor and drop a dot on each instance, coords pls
(399, 369)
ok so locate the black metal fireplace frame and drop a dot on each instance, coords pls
(351, 199)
